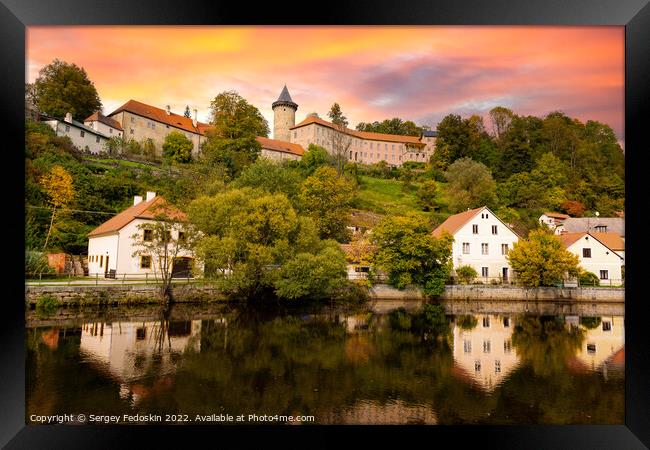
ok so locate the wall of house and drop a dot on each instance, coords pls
(96, 144)
(141, 128)
(103, 128)
(361, 150)
(602, 258)
(495, 261)
(275, 155)
(102, 246)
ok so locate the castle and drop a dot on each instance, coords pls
(358, 146)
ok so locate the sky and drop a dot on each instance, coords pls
(418, 73)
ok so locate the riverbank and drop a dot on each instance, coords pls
(88, 295)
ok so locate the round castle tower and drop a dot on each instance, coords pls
(284, 116)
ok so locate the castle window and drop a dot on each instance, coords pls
(97, 139)
(67, 128)
(83, 133)
(110, 130)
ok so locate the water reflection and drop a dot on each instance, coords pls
(356, 367)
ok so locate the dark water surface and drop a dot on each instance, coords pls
(341, 367)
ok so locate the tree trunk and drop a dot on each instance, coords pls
(47, 238)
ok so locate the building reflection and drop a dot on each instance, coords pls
(484, 354)
(130, 351)
(603, 348)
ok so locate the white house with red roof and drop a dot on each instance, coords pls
(553, 219)
(84, 137)
(481, 240)
(99, 122)
(596, 255)
(112, 244)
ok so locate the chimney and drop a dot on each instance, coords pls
(137, 199)
(68, 117)
(169, 110)
(150, 195)
(195, 121)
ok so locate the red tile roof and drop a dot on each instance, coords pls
(281, 146)
(160, 115)
(557, 215)
(99, 117)
(143, 210)
(609, 240)
(456, 222)
(411, 140)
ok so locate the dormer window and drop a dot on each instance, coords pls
(601, 228)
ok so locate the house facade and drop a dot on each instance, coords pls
(84, 137)
(277, 150)
(140, 122)
(481, 240)
(105, 125)
(595, 256)
(358, 146)
(111, 246)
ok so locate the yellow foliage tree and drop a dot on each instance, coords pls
(58, 187)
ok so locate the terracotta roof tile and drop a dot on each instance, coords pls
(411, 140)
(160, 115)
(143, 210)
(281, 146)
(568, 239)
(610, 240)
(455, 222)
(557, 215)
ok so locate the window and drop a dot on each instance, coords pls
(591, 349)
(486, 321)
(504, 249)
(507, 346)
(67, 128)
(474, 229)
(101, 261)
(604, 274)
(484, 271)
(167, 236)
(385, 146)
(506, 322)
(295, 134)
(484, 249)
(110, 130)
(97, 139)
(477, 366)
(497, 366)
(132, 119)
(601, 228)
(487, 346)
(145, 262)
(494, 229)
(586, 253)
(466, 248)
(131, 130)
(140, 333)
(371, 144)
(181, 237)
(148, 235)
(467, 346)
(607, 325)
(82, 133)
(386, 156)
(153, 126)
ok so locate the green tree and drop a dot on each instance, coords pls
(271, 177)
(411, 255)
(466, 274)
(391, 126)
(63, 88)
(470, 185)
(501, 118)
(460, 138)
(542, 260)
(326, 198)
(231, 142)
(177, 147)
(336, 115)
(427, 195)
(315, 157)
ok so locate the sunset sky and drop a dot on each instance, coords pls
(419, 73)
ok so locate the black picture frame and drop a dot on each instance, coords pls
(16, 15)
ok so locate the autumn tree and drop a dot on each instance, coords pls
(542, 260)
(63, 88)
(231, 142)
(336, 116)
(500, 118)
(411, 255)
(177, 147)
(58, 187)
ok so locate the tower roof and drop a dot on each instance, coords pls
(285, 99)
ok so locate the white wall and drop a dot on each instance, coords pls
(602, 258)
(103, 128)
(95, 144)
(495, 261)
(275, 155)
(102, 246)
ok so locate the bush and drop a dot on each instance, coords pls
(36, 264)
(47, 304)
(466, 274)
(588, 279)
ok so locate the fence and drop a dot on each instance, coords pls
(517, 282)
(108, 279)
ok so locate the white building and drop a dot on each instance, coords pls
(105, 125)
(277, 150)
(481, 240)
(112, 244)
(553, 219)
(84, 137)
(595, 256)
